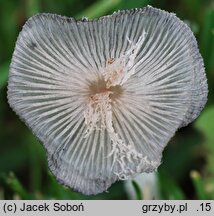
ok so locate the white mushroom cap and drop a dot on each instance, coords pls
(105, 96)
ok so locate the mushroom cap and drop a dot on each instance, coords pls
(162, 86)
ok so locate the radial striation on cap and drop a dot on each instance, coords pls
(105, 96)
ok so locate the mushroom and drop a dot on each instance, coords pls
(105, 96)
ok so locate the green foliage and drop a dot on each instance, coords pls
(198, 185)
(169, 188)
(16, 187)
(187, 171)
(137, 190)
(4, 68)
(99, 8)
(205, 125)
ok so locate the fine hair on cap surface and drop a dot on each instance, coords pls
(105, 96)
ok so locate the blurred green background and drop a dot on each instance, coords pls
(187, 171)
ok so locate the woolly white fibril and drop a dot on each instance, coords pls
(105, 96)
